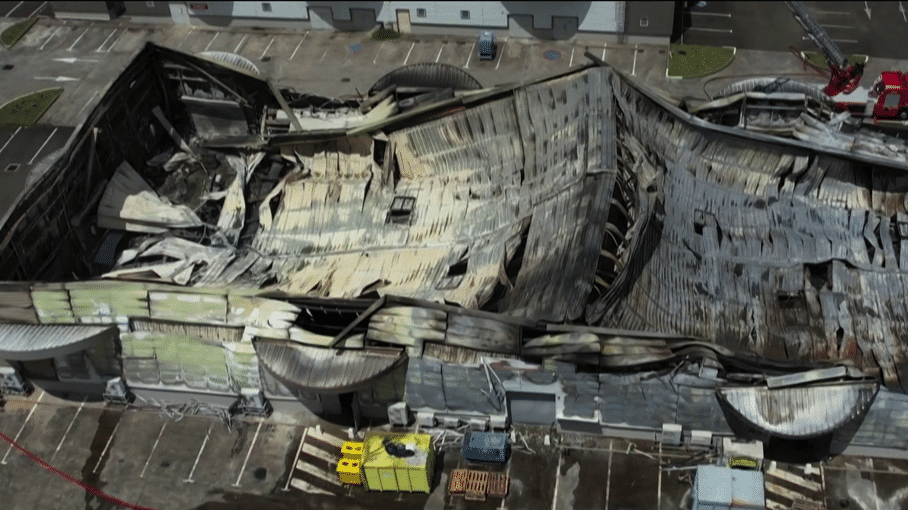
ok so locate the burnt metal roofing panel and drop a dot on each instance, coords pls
(24, 342)
(325, 370)
(429, 74)
(800, 411)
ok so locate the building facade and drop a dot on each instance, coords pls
(616, 22)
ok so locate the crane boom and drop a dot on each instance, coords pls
(843, 80)
(818, 35)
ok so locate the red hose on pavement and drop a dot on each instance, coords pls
(69, 478)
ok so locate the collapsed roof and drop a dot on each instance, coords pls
(582, 198)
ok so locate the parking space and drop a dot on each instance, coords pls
(222, 459)
(268, 464)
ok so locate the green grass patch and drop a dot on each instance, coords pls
(385, 34)
(818, 60)
(26, 110)
(689, 61)
(15, 32)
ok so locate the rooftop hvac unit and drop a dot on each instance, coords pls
(671, 434)
(450, 422)
(498, 422)
(399, 414)
(701, 438)
(251, 402)
(425, 419)
(116, 392)
(11, 382)
(480, 424)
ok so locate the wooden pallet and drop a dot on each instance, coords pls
(498, 485)
(458, 482)
(477, 481)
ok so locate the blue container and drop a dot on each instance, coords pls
(486, 447)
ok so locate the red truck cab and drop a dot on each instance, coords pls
(892, 96)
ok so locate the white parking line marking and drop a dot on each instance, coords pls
(105, 41)
(77, 40)
(153, 448)
(608, 475)
(42, 147)
(216, 34)
(197, 457)
(902, 10)
(298, 45)
(49, 38)
(720, 30)
(634, 70)
(500, 56)
(11, 138)
(251, 445)
(323, 55)
(604, 47)
(557, 478)
(87, 103)
(378, 52)
(114, 43)
(439, 52)
(37, 10)
(841, 13)
(295, 460)
(469, 56)
(14, 8)
(659, 486)
(267, 47)
(723, 14)
(837, 26)
(240, 44)
(571, 63)
(408, 53)
(79, 410)
(106, 446)
(27, 418)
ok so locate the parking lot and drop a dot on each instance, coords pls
(84, 56)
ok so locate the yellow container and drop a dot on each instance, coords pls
(348, 471)
(352, 450)
(384, 472)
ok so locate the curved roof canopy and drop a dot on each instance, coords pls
(430, 75)
(27, 342)
(325, 370)
(800, 412)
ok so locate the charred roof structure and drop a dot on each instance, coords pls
(540, 253)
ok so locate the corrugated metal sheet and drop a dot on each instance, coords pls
(798, 243)
(800, 412)
(428, 74)
(325, 370)
(24, 342)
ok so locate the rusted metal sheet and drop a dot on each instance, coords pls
(326, 370)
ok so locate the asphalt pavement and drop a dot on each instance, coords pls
(866, 28)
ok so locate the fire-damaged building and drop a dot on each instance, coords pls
(575, 252)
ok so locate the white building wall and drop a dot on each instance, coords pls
(604, 17)
(592, 16)
(279, 10)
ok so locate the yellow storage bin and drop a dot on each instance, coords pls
(410, 472)
(352, 450)
(348, 471)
